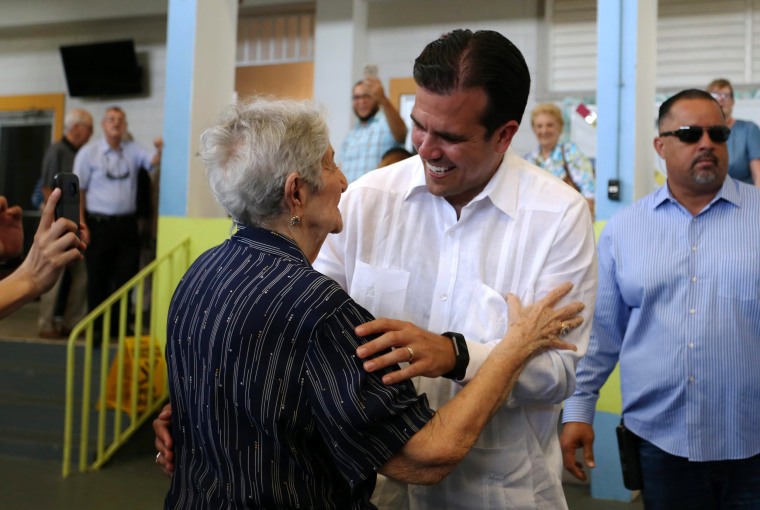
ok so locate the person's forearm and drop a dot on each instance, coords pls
(395, 122)
(754, 167)
(434, 451)
(15, 291)
(549, 378)
(155, 161)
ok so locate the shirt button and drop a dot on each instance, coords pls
(691, 378)
(694, 248)
(691, 345)
(692, 311)
(693, 279)
(451, 233)
(444, 297)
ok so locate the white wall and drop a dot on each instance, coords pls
(16, 13)
(397, 30)
(31, 64)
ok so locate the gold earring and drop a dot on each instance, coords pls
(295, 220)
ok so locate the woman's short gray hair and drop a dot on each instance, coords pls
(253, 149)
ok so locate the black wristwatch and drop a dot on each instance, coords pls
(462, 356)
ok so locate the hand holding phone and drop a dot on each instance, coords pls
(68, 206)
(370, 71)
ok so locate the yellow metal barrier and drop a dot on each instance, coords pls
(165, 272)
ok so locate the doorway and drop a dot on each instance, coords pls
(24, 136)
(28, 124)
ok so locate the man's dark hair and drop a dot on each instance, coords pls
(666, 106)
(463, 59)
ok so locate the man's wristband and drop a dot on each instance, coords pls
(462, 356)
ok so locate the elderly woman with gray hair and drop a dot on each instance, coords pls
(271, 405)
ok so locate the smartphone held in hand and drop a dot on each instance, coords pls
(370, 70)
(68, 205)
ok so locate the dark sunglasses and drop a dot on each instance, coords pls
(692, 134)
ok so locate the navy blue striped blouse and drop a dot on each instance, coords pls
(271, 406)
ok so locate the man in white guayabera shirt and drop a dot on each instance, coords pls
(438, 240)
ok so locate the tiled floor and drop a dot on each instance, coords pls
(22, 323)
(130, 480)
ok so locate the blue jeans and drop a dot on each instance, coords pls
(675, 483)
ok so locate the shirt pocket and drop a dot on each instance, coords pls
(380, 290)
(486, 316)
(739, 277)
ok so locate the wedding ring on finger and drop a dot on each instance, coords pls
(564, 329)
(411, 354)
(157, 457)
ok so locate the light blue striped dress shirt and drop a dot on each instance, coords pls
(110, 176)
(364, 146)
(679, 304)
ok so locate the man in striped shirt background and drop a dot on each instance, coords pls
(678, 304)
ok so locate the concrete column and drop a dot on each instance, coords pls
(340, 50)
(625, 91)
(200, 80)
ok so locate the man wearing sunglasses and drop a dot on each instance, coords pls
(678, 305)
(108, 173)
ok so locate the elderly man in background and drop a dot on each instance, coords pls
(108, 173)
(59, 158)
(679, 307)
(379, 127)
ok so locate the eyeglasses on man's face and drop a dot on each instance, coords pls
(692, 134)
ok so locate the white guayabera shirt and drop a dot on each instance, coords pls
(404, 254)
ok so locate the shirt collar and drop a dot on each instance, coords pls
(372, 120)
(501, 189)
(104, 147)
(728, 192)
(270, 241)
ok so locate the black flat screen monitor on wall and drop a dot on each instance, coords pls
(102, 69)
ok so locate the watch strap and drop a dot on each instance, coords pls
(462, 356)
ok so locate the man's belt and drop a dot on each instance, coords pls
(109, 217)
